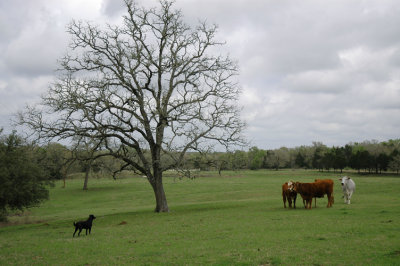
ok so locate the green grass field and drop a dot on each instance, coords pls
(236, 219)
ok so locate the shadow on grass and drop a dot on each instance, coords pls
(394, 254)
(206, 207)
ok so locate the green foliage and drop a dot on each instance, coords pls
(53, 159)
(256, 158)
(239, 160)
(395, 163)
(22, 182)
(235, 219)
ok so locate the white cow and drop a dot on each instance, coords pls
(348, 187)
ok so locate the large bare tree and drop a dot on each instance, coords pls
(148, 91)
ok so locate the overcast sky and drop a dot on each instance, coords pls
(317, 70)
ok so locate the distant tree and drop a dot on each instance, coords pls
(148, 91)
(84, 151)
(279, 158)
(304, 157)
(197, 162)
(360, 158)
(224, 161)
(256, 158)
(220, 161)
(392, 144)
(382, 162)
(328, 159)
(54, 158)
(300, 160)
(239, 160)
(375, 149)
(339, 158)
(394, 164)
(210, 161)
(319, 152)
(292, 158)
(348, 151)
(22, 181)
(107, 166)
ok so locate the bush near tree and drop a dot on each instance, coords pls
(22, 180)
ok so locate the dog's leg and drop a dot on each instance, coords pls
(76, 229)
(80, 230)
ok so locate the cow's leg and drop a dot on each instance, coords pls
(309, 203)
(349, 197)
(329, 201)
(294, 201)
(284, 200)
(290, 201)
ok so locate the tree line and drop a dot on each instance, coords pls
(367, 156)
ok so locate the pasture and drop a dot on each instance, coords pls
(235, 219)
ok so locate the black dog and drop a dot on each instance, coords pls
(84, 225)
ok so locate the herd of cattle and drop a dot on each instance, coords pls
(317, 189)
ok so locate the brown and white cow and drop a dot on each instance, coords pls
(318, 189)
(289, 194)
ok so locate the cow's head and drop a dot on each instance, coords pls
(296, 186)
(290, 185)
(344, 179)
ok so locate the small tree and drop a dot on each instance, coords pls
(239, 160)
(83, 151)
(256, 158)
(53, 158)
(149, 91)
(319, 151)
(395, 164)
(339, 158)
(279, 158)
(304, 157)
(22, 181)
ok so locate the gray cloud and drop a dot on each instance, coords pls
(113, 8)
(310, 70)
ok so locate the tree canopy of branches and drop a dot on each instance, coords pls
(147, 91)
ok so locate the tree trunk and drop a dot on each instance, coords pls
(161, 199)
(85, 183)
(64, 176)
(88, 169)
